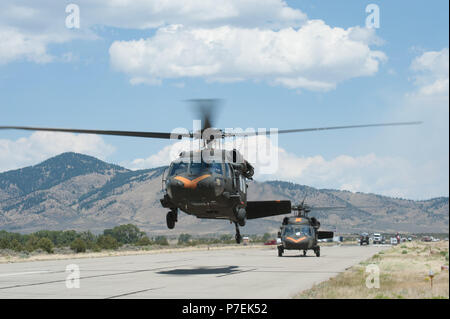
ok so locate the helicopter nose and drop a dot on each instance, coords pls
(191, 184)
(203, 186)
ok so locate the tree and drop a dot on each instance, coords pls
(16, 245)
(32, 243)
(78, 245)
(46, 245)
(266, 237)
(89, 238)
(4, 243)
(125, 234)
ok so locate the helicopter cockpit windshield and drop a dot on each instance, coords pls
(195, 169)
(203, 167)
(178, 168)
(291, 230)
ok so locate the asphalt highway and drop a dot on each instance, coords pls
(226, 273)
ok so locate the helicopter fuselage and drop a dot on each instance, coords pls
(205, 189)
(301, 233)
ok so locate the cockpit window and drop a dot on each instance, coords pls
(203, 167)
(178, 168)
(294, 230)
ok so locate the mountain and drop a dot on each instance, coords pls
(75, 191)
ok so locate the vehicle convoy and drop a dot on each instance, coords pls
(377, 238)
(301, 232)
(364, 239)
(210, 182)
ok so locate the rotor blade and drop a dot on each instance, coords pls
(317, 129)
(207, 110)
(101, 132)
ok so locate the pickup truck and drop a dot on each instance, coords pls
(377, 238)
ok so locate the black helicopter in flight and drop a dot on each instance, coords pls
(209, 183)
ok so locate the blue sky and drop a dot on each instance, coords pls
(88, 78)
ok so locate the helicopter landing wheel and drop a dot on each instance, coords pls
(238, 234)
(280, 251)
(241, 215)
(317, 251)
(171, 219)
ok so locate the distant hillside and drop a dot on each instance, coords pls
(75, 191)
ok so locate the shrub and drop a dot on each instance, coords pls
(161, 240)
(184, 239)
(404, 252)
(144, 241)
(107, 242)
(45, 244)
(78, 245)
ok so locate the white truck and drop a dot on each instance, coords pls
(377, 238)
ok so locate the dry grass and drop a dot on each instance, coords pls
(403, 273)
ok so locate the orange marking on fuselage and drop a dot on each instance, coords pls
(296, 240)
(191, 184)
(298, 220)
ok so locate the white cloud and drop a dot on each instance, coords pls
(144, 14)
(42, 145)
(16, 45)
(431, 73)
(315, 56)
(228, 41)
(28, 28)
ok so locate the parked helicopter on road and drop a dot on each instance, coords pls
(301, 232)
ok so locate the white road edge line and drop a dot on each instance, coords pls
(24, 273)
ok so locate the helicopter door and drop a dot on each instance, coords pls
(164, 179)
(242, 185)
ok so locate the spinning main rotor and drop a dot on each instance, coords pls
(207, 133)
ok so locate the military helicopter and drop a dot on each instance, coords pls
(301, 232)
(209, 182)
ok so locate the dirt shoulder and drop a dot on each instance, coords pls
(403, 273)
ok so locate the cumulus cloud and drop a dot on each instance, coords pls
(314, 56)
(16, 45)
(431, 73)
(42, 145)
(28, 28)
(219, 41)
